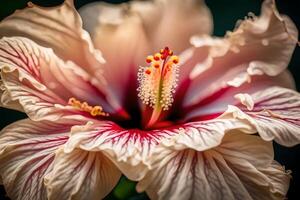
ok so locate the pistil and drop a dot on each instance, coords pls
(157, 82)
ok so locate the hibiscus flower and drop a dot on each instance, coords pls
(147, 93)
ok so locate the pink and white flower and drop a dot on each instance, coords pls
(183, 126)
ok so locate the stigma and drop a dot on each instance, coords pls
(158, 80)
(84, 106)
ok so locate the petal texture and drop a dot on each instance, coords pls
(273, 112)
(128, 149)
(81, 175)
(217, 101)
(172, 22)
(124, 46)
(59, 28)
(36, 78)
(131, 149)
(164, 21)
(241, 167)
(259, 45)
(34, 165)
(27, 150)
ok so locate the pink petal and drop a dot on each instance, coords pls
(273, 112)
(81, 175)
(214, 173)
(167, 25)
(27, 150)
(121, 37)
(258, 46)
(36, 78)
(59, 28)
(130, 149)
(201, 135)
(165, 21)
(5, 99)
(31, 153)
(127, 33)
(215, 102)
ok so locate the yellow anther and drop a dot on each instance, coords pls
(96, 110)
(149, 59)
(157, 56)
(156, 65)
(76, 104)
(175, 59)
(148, 71)
(84, 106)
(72, 101)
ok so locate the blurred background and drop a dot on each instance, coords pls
(225, 14)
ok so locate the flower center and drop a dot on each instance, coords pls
(158, 81)
(84, 106)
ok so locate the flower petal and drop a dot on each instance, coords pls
(5, 99)
(27, 150)
(121, 37)
(59, 28)
(212, 174)
(165, 21)
(217, 99)
(202, 135)
(259, 45)
(126, 33)
(38, 79)
(273, 112)
(81, 175)
(167, 25)
(128, 149)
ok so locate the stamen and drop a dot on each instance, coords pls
(157, 82)
(149, 59)
(156, 65)
(157, 56)
(74, 102)
(175, 59)
(148, 71)
(84, 106)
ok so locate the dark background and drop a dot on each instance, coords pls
(225, 14)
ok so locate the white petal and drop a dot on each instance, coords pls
(81, 175)
(202, 135)
(128, 149)
(36, 78)
(212, 174)
(172, 22)
(166, 22)
(259, 46)
(5, 99)
(275, 114)
(120, 35)
(59, 28)
(27, 150)
(215, 101)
